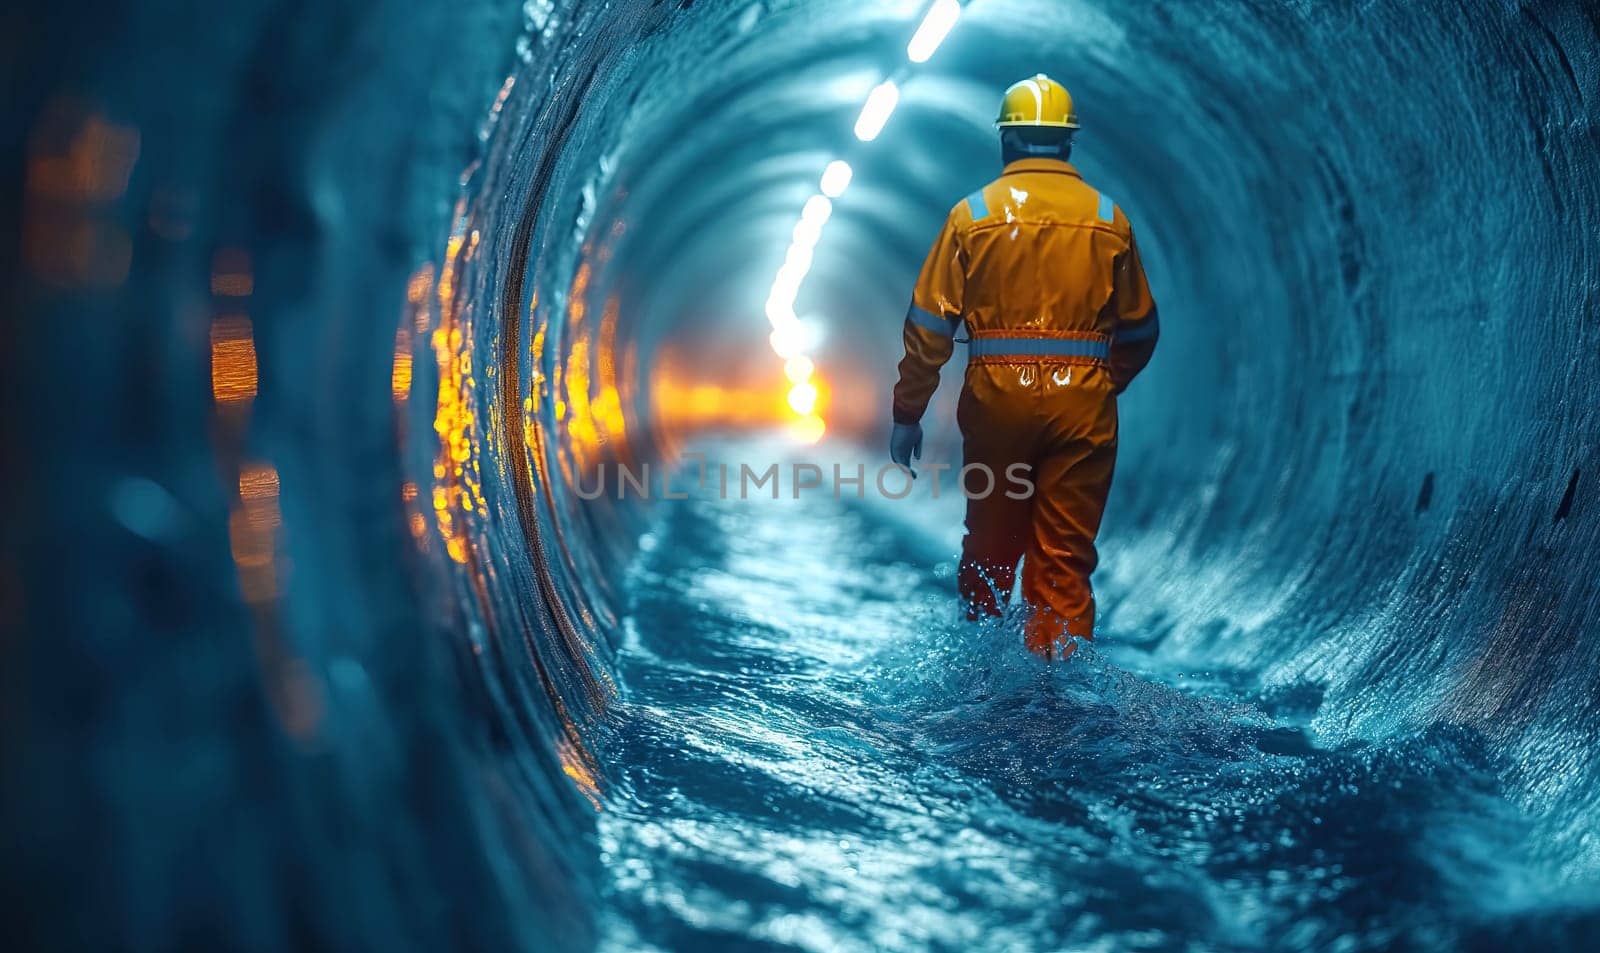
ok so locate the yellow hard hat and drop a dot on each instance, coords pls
(1040, 101)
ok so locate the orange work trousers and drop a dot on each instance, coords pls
(1059, 420)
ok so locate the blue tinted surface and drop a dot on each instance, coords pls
(317, 313)
(813, 753)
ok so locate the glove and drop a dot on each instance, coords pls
(905, 443)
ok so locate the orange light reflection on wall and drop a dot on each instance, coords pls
(683, 403)
(252, 532)
(400, 374)
(233, 359)
(456, 487)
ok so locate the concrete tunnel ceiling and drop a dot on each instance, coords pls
(474, 234)
(718, 176)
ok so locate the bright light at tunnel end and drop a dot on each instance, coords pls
(809, 429)
(803, 398)
(798, 368)
(941, 19)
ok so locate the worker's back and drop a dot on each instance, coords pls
(1041, 268)
(1042, 251)
(1044, 273)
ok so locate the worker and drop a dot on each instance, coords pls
(1044, 271)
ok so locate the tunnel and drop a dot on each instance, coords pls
(321, 635)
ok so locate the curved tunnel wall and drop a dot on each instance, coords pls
(457, 246)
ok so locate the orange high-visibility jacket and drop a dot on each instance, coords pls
(1036, 253)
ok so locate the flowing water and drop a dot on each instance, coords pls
(815, 754)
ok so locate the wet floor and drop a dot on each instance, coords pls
(813, 753)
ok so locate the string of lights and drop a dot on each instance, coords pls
(791, 338)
